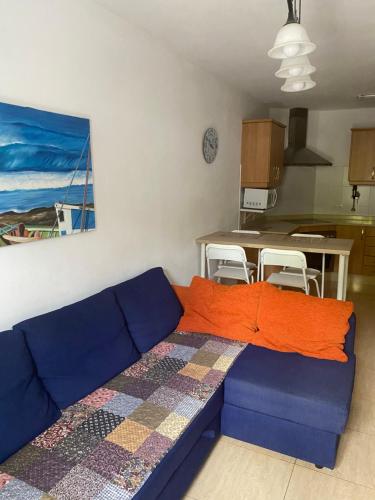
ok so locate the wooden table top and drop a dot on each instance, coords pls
(333, 246)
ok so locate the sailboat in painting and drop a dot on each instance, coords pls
(46, 188)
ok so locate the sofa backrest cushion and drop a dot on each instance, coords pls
(228, 311)
(150, 306)
(26, 408)
(295, 322)
(79, 347)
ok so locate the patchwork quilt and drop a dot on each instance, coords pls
(107, 445)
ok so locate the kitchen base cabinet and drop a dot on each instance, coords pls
(356, 233)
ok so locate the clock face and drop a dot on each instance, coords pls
(210, 145)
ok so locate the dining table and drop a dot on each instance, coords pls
(327, 246)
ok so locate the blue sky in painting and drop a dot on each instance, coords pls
(39, 152)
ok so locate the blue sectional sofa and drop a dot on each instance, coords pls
(89, 351)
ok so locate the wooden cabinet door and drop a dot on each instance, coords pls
(362, 157)
(262, 153)
(255, 157)
(356, 233)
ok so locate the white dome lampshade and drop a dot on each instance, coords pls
(292, 40)
(298, 84)
(295, 66)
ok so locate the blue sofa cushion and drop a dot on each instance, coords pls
(26, 409)
(150, 306)
(308, 391)
(79, 347)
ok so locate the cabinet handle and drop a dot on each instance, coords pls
(362, 233)
(373, 173)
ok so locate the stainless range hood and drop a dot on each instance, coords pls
(297, 153)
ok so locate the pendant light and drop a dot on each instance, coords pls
(292, 44)
(292, 39)
(298, 83)
(295, 66)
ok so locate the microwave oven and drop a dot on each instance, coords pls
(259, 199)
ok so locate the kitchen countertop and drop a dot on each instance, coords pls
(287, 224)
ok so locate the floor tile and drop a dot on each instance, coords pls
(355, 459)
(233, 472)
(362, 415)
(258, 449)
(310, 485)
(364, 384)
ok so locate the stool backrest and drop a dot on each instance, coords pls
(225, 252)
(284, 258)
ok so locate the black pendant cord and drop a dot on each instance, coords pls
(292, 12)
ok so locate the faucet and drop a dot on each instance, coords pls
(355, 196)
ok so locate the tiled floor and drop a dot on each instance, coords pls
(240, 471)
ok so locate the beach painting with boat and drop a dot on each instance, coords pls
(46, 183)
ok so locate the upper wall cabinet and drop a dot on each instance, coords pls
(362, 156)
(262, 156)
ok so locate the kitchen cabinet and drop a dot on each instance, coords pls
(362, 156)
(369, 252)
(262, 155)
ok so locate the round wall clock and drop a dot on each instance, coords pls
(210, 145)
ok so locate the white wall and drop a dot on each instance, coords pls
(148, 108)
(326, 189)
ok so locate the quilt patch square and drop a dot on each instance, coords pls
(153, 447)
(99, 398)
(205, 358)
(20, 461)
(117, 383)
(165, 369)
(183, 352)
(192, 370)
(188, 339)
(52, 436)
(133, 474)
(213, 378)
(202, 391)
(45, 472)
(79, 484)
(166, 397)
(114, 492)
(162, 349)
(122, 405)
(101, 423)
(77, 445)
(17, 489)
(129, 435)
(189, 407)
(172, 426)
(182, 383)
(149, 415)
(140, 389)
(223, 363)
(107, 459)
(216, 347)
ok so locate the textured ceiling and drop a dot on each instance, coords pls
(231, 37)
